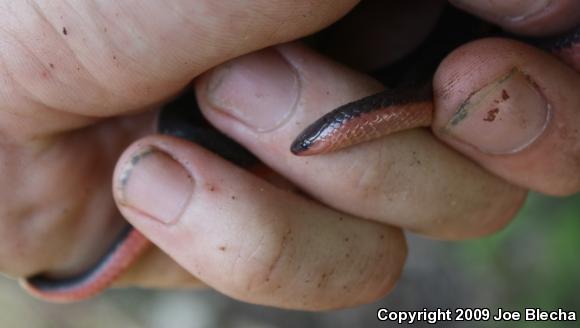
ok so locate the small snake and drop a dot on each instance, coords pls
(372, 117)
(398, 109)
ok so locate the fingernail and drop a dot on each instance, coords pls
(503, 117)
(153, 183)
(260, 90)
(514, 10)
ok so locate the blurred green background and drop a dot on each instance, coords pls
(535, 262)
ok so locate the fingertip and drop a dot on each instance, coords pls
(511, 108)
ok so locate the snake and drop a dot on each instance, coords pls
(401, 108)
(407, 104)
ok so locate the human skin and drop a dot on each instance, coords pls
(73, 138)
(72, 72)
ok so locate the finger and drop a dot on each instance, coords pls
(265, 100)
(155, 269)
(537, 17)
(67, 63)
(514, 110)
(248, 239)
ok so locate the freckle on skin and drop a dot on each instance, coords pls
(64, 31)
(210, 187)
(222, 248)
(51, 65)
(491, 115)
(504, 95)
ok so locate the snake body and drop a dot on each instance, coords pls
(399, 109)
(366, 119)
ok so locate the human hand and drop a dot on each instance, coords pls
(74, 75)
(331, 293)
(276, 268)
(538, 147)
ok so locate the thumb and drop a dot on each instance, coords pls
(514, 110)
(68, 61)
(248, 238)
